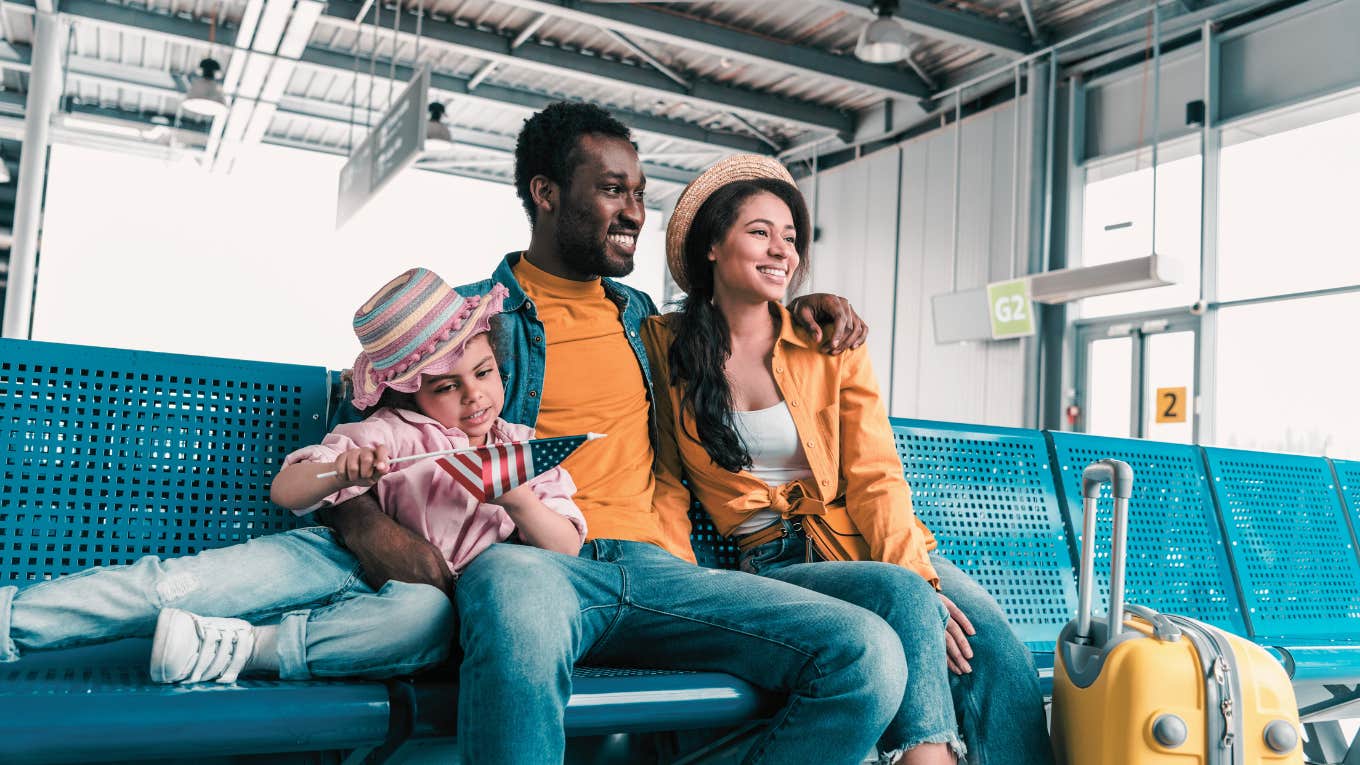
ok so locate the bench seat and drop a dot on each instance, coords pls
(98, 703)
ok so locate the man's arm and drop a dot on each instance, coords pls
(848, 330)
(386, 550)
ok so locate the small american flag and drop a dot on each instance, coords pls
(492, 470)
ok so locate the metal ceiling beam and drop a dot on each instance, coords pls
(342, 64)
(557, 61)
(175, 28)
(934, 21)
(694, 34)
(491, 143)
(181, 30)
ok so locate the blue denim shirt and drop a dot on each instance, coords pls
(522, 350)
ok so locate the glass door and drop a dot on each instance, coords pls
(1138, 378)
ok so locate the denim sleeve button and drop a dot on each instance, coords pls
(538, 339)
(533, 394)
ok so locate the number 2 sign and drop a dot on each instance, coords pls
(1012, 313)
(1171, 405)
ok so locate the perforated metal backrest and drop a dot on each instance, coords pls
(710, 549)
(1348, 473)
(988, 496)
(1290, 543)
(1177, 561)
(109, 455)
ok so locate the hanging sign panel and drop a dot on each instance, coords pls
(1171, 404)
(1011, 309)
(390, 147)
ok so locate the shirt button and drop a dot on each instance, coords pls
(538, 339)
(779, 370)
(632, 333)
(810, 443)
(793, 403)
(826, 483)
(533, 394)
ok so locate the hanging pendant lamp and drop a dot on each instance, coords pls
(883, 40)
(205, 97)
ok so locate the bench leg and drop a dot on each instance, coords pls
(1326, 744)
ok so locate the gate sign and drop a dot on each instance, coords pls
(391, 145)
(1012, 311)
(1171, 404)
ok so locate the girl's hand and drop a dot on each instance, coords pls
(516, 498)
(956, 632)
(362, 467)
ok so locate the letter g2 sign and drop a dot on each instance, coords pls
(1010, 308)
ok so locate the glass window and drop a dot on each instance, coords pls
(1287, 211)
(1109, 385)
(1117, 226)
(138, 253)
(1286, 377)
(1169, 394)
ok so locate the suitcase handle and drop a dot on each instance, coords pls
(1120, 477)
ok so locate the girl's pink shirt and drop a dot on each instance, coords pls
(422, 496)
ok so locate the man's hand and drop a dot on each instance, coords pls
(386, 550)
(848, 330)
(956, 632)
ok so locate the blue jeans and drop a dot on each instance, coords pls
(527, 616)
(998, 707)
(330, 622)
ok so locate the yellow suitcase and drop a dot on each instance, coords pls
(1160, 689)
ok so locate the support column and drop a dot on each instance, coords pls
(44, 88)
(1206, 354)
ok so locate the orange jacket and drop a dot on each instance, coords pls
(844, 428)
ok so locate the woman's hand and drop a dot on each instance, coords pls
(361, 467)
(956, 632)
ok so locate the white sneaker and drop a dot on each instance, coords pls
(189, 648)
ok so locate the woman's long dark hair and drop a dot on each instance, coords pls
(701, 344)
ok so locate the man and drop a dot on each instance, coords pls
(573, 363)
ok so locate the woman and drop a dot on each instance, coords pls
(770, 433)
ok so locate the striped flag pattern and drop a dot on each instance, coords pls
(490, 471)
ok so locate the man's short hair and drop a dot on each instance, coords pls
(547, 145)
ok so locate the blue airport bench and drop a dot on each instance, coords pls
(1292, 544)
(108, 455)
(1176, 557)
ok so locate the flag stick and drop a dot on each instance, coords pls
(447, 452)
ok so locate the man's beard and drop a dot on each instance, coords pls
(583, 253)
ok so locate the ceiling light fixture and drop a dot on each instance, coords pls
(205, 95)
(883, 40)
(437, 137)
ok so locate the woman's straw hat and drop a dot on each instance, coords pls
(416, 324)
(738, 167)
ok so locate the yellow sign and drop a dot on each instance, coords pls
(1171, 404)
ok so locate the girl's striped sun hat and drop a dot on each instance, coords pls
(416, 324)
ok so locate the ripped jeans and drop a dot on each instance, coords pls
(331, 623)
(997, 710)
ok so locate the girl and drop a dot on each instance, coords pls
(295, 604)
(769, 431)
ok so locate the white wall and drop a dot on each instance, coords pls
(889, 258)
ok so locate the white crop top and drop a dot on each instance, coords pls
(777, 455)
